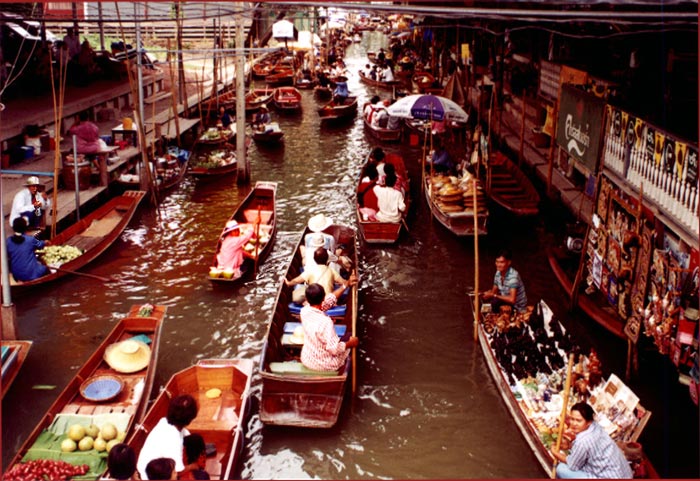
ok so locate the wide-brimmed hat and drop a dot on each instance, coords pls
(297, 336)
(317, 240)
(691, 314)
(33, 180)
(263, 107)
(231, 226)
(341, 78)
(319, 222)
(127, 356)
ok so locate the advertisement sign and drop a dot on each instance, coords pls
(579, 125)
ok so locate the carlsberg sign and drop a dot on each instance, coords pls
(579, 125)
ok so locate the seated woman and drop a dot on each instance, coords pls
(366, 197)
(230, 254)
(87, 135)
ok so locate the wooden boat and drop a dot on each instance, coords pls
(375, 232)
(93, 234)
(73, 406)
(332, 112)
(257, 211)
(209, 164)
(169, 172)
(510, 188)
(271, 134)
(323, 93)
(220, 420)
(256, 98)
(424, 82)
(214, 138)
(279, 78)
(291, 394)
(392, 85)
(287, 100)
(458, 219)
(14, 353)
(382, 134)
(538, 426)
(304, 84)
(564, 265)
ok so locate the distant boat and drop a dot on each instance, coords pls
(510, 188)
(382, 134)
(287, 100)
(334, 112)
(14, 354)
(391, 85)
(453, 209)
(257, 211)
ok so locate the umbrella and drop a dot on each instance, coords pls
(430, 107)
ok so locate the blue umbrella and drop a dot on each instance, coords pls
(428, 107)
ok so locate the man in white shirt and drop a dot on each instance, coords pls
(387, 74)
(30, 203)
(390, 200)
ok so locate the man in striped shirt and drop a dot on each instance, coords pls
(323, 350)
(508, 287)
(593, 453)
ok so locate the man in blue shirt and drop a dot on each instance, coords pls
(508, 287)
(21, 248)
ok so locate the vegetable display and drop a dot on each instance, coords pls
(44, 469)
(57, 255)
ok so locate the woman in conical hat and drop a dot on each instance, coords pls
(230, 254)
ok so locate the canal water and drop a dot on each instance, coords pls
(425, 406)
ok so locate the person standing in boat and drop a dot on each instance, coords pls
(341, 92)
(593, 453)
(21, 249)
(323, 350)
(30, 203)
(508, 288)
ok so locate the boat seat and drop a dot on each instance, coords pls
(337, 311)
(295, 367)
(290, 327)
(251, 216)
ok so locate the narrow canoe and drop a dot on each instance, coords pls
(271, 135)
(394, 84)
(220, 420)
(535, 425)
(291, 394)
(93, 234)
(143, 323)
(459, 221)
(287, 99)
(380, 133)
(323, 93)
(332, 112)
(280, 78)
(375, 232)
(510, 188)
(257, 211)
(14, 353)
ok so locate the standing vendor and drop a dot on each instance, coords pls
(593, 453)
(508, 287)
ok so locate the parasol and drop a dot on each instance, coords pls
(429, 107)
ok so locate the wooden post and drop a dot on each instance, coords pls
(477, 311)
(564, 408)
(522, 130)
(552, 143)
(173, 99)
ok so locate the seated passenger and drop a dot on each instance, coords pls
(390, 200)
(21, 253)
(366, 197)
(195, 453)
(121, 461)
(319, 273)
(230, 254)
(323, 350)
(87, 135)
(161, 468)
(317, 224)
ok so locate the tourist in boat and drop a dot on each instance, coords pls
(593, 453)
(341, 92)
(387, 74)
(508, 288)
(366, 196)
(21, 253)
(121, 461)
(390, 200)
(231, 253)
(161, 468)
(317, 224)
(87, 134)
(166, 439)
(323, 350)
(195, 453)
(319, 273)
(380, 117)
(30, 203)
(368, 110)
(224, 118)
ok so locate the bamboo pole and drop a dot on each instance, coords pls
(522, 130)
(257, 239)
(58, 120)
(355, 288)
(564, 409)
(477, 312)
(173, 100)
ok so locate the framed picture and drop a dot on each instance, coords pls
(605, 280)
(632, 327)
(603, 199)
(612, 289)
(597, 269)
(613, 256)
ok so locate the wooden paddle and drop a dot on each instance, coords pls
(564, 408)
(257, 239)
(91, 276)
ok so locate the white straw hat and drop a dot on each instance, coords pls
(128, 356)
(319, 223)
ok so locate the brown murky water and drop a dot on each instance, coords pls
(425, 407)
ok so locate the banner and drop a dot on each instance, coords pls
(691, 158)
(669, 154)
(680, 159)
(650, 140)
(579, 125)
(659, 138)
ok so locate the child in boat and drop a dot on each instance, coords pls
(121, 461)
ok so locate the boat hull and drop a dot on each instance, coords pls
(12, 361)
(459, 223)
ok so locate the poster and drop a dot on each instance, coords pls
(579, 125)
(650, 143)
(691, 159)
(680, 159)
(597, 269)
(669, 155)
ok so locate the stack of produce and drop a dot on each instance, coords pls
(56, 255)
(216, 158)
(455, 194)
(250, 246)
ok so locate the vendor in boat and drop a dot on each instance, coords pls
(224, 118)
(30, 203)
(341, 92)
(230, 254)
(323, 350)
(508, 287)
(441, 161)
(21, 253)
(262, 118)
(593, 453)
(166, 439)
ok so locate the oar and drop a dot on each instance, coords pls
(257, 239)
(92, 276)
(355, 288)
(564, 407)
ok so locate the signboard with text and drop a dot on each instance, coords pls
(579, 125)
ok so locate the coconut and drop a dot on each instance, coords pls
(214, 272)
(86, 443)
(76, 432)
(68, 445)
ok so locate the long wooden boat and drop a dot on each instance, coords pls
(271, 134)
(169, 172)
(564, 266)
(304, 84)
(424, 82)
(208, 164)
(538, 426)
(510, 188)
(129, 403)
(214, 138)
(457, 219)
(257, 211)
(287, 100)
(14, 353)
(382, 134)
(332, 112)
(323, 93)
(256, 98)
(93, 234)
(375, 232)
(280, 78)
(391, 85)
(221, 419)
(293, 395)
